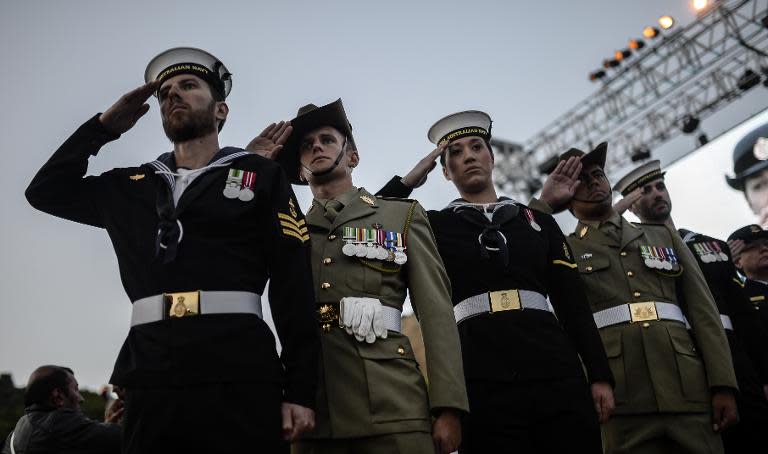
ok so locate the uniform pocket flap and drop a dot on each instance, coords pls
(390, 348)
(593, 264)
(683, 343)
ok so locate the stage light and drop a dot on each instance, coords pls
(703, 139)
(610, 63)
(622, 54)
(666, 22)
(636, 44)
(650, 32)
(748, 80)
(596, 75)
(699, 5)
(690, 124)
(640, 154)
(765, 21)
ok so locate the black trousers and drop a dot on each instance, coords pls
(542, 417)
(211, 418)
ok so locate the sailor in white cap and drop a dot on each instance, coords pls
(527, 389)
(197, 233)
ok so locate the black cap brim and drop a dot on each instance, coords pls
(737, 182)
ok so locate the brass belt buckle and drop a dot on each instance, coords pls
(326, 315)
(505, 300)
(643, 312)
(183, 304)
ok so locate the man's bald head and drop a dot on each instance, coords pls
(44, 381)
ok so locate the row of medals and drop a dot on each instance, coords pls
(371, 248)
(655, 258)
(240, 185)
(710, 252)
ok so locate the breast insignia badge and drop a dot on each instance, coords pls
(367, 199)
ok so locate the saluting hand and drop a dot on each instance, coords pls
(724, 411)
(736, 247)
(296, 420)
(624, 204)
(446, 432)
(418, 175)
(128, 109)
(602, 396)
(271, 140)
(560, 186)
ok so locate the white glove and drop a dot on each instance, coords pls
(361, 317)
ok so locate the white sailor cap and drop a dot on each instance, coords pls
(639, 177)
(461, 124)
(190, 60)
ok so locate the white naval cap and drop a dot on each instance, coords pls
(639, 176)
(461, 124)
(190, 60)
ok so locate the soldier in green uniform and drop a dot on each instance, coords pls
(669, 355)
(646, 195)
(367, 252)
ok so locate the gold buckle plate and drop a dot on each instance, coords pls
(643, 312)
(326, 315)
(505, 300)
(183, 304)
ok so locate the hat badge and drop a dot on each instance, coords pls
(755, 229)
(760, 150)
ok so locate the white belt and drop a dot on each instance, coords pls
(498, 301)
(726, 322)
(639, 312)
(167, 305)
(392, 318)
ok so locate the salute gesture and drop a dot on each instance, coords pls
(418, 175)
(271, 140)
(560, 186)
(128, 109)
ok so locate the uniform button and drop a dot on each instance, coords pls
(400, 350)
(589, 268)
(327, 261)
(331, 237)
(646, 325)
(636, 294)
(623, 253)
(325, 285)
(630, 273)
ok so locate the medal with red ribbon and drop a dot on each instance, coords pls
(246, 189)
(529, 214)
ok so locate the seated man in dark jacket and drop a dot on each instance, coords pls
(53, 421)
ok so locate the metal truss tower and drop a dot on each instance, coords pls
(694, 71)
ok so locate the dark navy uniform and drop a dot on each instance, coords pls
(757, 292)
(526, 386)
(746, 336)
(210, 382)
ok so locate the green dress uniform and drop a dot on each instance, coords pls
(664, 370)
(371, 390)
